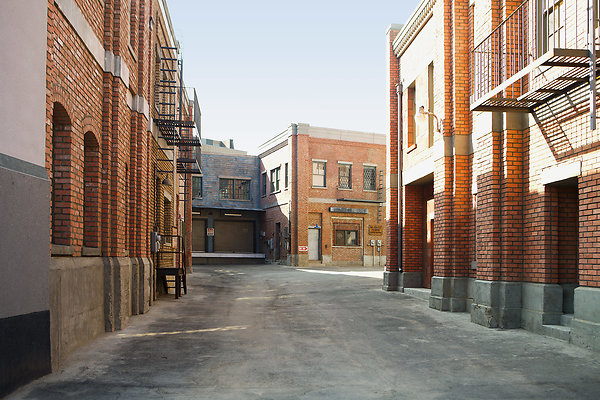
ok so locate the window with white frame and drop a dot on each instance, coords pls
(369, 177)
(275, 179)
(319, 168)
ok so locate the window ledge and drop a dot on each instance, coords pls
(91, 251)
(411, 148)
(275, 192)
(344, 189)
(319, 187)
(62, 250)
(370, 190)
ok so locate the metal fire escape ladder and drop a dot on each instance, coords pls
(538, 52)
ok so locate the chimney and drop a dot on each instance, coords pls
(231, 144)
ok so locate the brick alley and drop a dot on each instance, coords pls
(276, 332)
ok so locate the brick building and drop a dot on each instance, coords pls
(321, 190)
(90, 165)
(226, 210)
(495, 211)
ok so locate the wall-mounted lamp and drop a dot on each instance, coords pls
(167, 181)
(424, 113)
(232, 214)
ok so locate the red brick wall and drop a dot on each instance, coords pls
(393, 206)
(98, 150)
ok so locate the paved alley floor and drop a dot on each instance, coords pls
(276, 332)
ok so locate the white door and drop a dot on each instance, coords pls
(314, 244)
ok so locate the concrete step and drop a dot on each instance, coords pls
(557, 331)
(565, 319)
(419, 293)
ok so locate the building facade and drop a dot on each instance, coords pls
(322, 192)
(494, 208)
(84, 168)
(226, 210)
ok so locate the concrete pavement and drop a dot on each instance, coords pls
(276, 332)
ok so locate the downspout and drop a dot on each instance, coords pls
(294, 200)
(400, 169)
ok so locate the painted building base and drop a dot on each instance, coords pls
(25, 349)
(585, 327)
(496, 304)
(390, 281)
(449, 294)
(410, 280)
(542, 305)
(92, 295)
(299, 260)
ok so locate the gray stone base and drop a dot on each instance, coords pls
(390, 281)
(542, 305)
(410, 280)
(449, 294)
(496, 304)
(585, 327)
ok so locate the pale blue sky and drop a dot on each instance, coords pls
(260, 65)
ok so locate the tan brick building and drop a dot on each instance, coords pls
(91, 163)
(322, 192)
(496, 211)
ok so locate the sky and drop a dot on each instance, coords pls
(260, 65)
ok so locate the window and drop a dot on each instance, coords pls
(264, 183)
(196, 186)
(234, 189)
(286, 175)
(369, 178)
(275, 179)
(553, 25)
(345, 176)
(410, 115)
(318, 174)
(346, 234)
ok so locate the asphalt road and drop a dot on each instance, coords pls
(275, 332)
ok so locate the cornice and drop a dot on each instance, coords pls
(415, 23)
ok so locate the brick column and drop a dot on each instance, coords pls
(394, 144)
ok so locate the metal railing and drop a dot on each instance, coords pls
(533, 29)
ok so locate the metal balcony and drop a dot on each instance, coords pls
(540, 51)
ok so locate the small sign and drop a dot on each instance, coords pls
(348, 210)
(375, 230)
(210, 231)
(302, 249)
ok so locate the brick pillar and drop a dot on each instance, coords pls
(394, 144)
(511, 198)
(413, 236)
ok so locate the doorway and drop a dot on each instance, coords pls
(314, 244)
(277, 240)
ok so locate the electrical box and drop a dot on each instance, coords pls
(155, 240)
(372, 242)
(379, 243)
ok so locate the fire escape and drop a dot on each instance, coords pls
(175, 126)
(542, 50)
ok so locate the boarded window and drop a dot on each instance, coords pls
(345, 176)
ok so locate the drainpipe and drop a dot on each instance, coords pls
(400, 167)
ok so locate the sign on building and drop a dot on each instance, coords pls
(302, 249)
(375, 230)
(210, 231)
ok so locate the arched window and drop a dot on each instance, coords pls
(62, 177)
(91, 192)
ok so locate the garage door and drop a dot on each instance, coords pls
(234, 236)
(198, 235)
